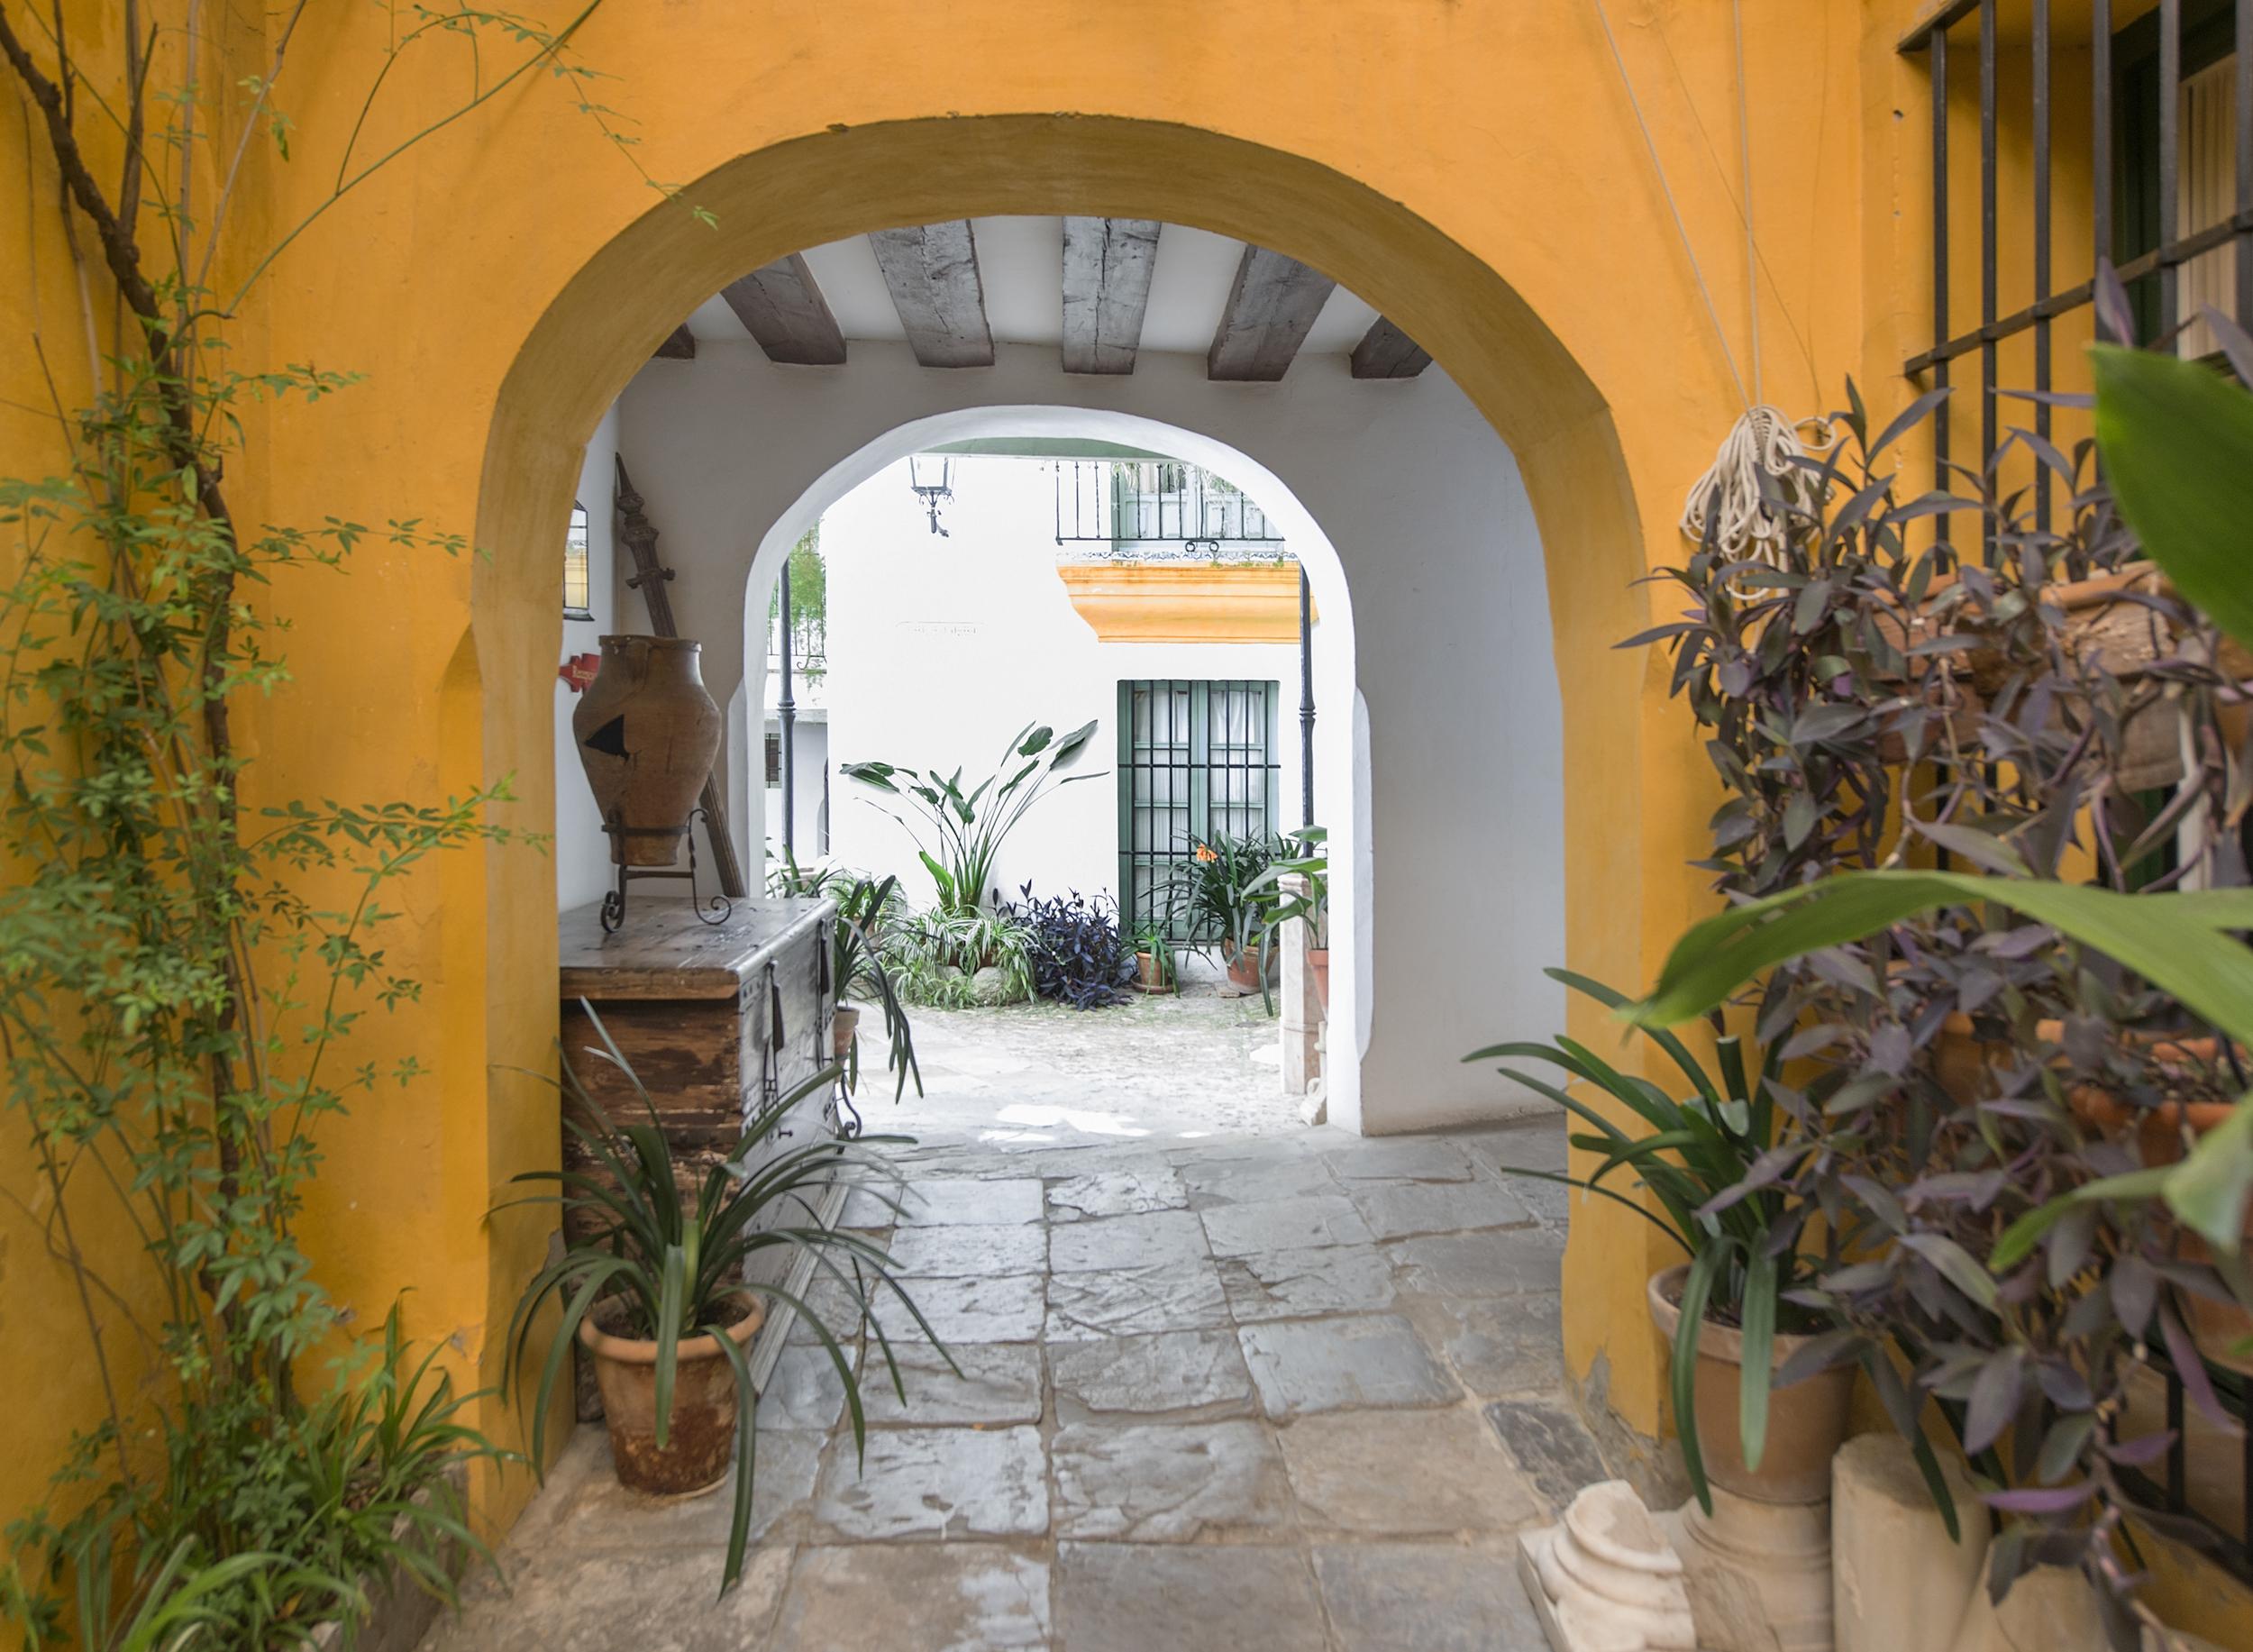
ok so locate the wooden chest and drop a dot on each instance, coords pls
(717, 1021)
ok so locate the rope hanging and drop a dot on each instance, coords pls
(1735, 507)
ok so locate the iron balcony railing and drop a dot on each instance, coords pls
(1158, 509)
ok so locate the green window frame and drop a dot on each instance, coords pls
(1196, 760)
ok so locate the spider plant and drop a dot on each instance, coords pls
(1710, 1159)
(664, 1263)
(857, 963)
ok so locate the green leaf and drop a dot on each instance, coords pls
(1753, 1377)
(2209, 1188)
(2178, 942)
(2177, 444)
(1697, 1290)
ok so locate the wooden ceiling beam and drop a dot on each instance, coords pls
(932, 271)
(1108, 263)
(1271, 308)
(780, 305)
(679, 345)
(1387, 352)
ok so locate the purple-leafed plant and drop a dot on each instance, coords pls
(1876, 701)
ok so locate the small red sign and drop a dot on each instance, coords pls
(579, 671)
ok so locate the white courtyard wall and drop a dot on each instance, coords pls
(1423, 544)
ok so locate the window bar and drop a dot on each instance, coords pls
(1988, 372)
(1306, 700)
(2241, 114)
(1939, 281)
(2041, 253)
(2101, 137)
(2170, 156)
(786, 708)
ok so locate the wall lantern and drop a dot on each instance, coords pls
(931, 477)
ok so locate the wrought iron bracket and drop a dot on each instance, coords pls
(715, 910)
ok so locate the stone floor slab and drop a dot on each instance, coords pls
(1248, 1181)
(1134, 1189)
(1134, 1597)
(952, 1597)
(1551, 1443)
(1502, 1263)
(1405, 1473)
(1400, 1158)
(937, 1201)
(803, 1391)
(997, 1383)
(971, 1248)
(1169, 1482)
(1199, 1373)
(1286, 1284)
(600, 1513)
(1354, 1361)
(1128, 1302)
(569, 1601)
(1395, 1210)
(1424, 1597)
(936, 1484)
(964, 1307)
(1284, 1224)
(1506, 1345)
(1150, 1240)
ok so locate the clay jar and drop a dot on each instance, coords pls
(701, 1435)
(647, 733)
(1807, 1423)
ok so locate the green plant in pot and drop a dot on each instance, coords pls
(1155, 970)
(655, 1281)
(1754, 1416)
(962, 832)
(858, 969)
(1310, 860)
(1220, 887)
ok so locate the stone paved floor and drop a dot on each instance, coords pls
(1289, 1390)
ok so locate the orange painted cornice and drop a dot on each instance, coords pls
(1159, 602)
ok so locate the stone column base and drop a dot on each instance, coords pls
(1605, 1579)
(1758, 1573)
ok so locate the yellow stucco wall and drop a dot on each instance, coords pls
(1127, 602)
(1475, 170)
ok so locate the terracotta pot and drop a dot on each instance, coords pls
(845, 1023)
(1318, 963)
(1807, 1423)
(1243, 965)
(700, 1441)
(647, 732)
(1149, 977)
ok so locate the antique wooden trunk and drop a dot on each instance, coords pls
(717, 1021)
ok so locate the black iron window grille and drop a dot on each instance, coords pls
(1157, 509)
(1196, 761)
(2170, 204)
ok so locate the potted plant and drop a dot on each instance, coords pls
(858, 970)
(963, 831)
(1310, 862)
(1755, 1415)
(1220, 887)
(1155, 971)
(1077, 953)
(654, 1282)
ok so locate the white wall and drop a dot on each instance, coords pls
(941, 649)
(582, 854)
(1428, 548)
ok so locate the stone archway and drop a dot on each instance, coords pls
(598, 330)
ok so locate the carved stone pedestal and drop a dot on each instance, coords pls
(1758, 1573)
(1605, 1579)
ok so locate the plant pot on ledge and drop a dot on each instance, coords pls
(701, 1435)
(1319, 965)
(1807, 1423)
(845, 1025)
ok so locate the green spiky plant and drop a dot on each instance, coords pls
(1708, 1158)
(665, 1267)
(963, 831)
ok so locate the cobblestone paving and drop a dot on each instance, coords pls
(1236, 1391)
